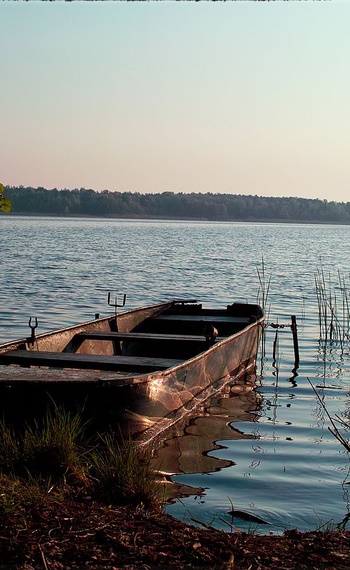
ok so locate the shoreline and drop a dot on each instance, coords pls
(176, 219)
(78, 533)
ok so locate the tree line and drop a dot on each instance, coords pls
(195, 206)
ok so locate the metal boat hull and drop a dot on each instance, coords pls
(162, 396)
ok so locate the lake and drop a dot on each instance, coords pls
(268, 451)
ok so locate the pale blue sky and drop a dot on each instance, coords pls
(232, 97)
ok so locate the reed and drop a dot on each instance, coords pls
(264, 285)
(276, 358)
(262, 299)
(333, 429)
(333, 307)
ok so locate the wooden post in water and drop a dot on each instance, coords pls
(295, 341)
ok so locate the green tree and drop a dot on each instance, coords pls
(5, 204)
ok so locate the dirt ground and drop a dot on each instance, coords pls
(78, 533)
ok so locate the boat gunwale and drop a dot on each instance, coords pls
(47, 334)
(110, 378)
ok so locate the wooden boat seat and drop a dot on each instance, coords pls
(87, 361)
(141, 336)
(203, 318)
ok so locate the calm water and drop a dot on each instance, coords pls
(268, 452)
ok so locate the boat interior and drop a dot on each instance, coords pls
(160, 340)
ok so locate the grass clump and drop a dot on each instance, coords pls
(24, 501)
(8, 500)
(55, 448)
(51, 448)
(123, 474)
(52, 458)
(10, 449)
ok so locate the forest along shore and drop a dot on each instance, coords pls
(180, 206)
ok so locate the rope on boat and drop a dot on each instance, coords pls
(276, 325)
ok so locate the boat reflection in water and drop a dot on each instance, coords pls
(185, 446)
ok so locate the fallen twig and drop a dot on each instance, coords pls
(43, 558)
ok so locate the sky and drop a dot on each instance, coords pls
(223, 97)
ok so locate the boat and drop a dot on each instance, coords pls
(157, 362)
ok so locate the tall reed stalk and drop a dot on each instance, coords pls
(333, 307)
(262, 298)
(333, 429)
(264, 285)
